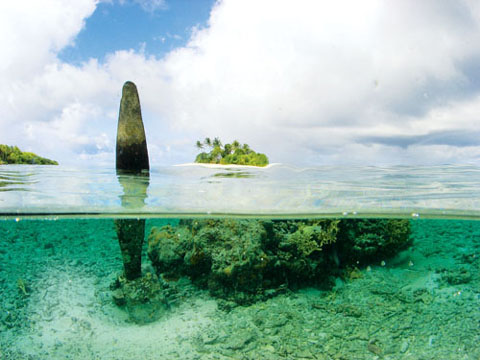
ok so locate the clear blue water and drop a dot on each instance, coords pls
(448, 191)
(241, 263)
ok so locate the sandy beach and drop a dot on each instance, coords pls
(229, 166)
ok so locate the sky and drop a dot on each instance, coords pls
(308, 82)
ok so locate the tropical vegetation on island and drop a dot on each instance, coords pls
(234, 153)
(13, 155)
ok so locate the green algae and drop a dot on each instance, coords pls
(246, 260)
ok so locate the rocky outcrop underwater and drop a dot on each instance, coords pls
(247, 260)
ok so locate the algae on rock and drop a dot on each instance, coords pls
(224, 256)
(363, 241)
(145, 299)
(245, 260)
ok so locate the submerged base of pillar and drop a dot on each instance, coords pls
(145, 299)
(131, 233)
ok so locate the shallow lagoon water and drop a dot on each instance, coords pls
(59, 256)
(448, 191)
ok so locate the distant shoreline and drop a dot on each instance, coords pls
(227, 165)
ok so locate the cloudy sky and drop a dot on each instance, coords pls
(310, 82)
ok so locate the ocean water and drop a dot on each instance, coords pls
(241, 263)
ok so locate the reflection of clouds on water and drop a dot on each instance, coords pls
(290, 190)
(60, 189)
(134, 189)
(277, 190)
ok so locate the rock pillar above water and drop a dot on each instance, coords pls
(132, 153)
(131, 157)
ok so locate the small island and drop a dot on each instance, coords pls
(234, 153)
(13, 155)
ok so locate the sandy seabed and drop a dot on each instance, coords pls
(56, 303)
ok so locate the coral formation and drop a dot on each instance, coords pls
(248, 260)
(362, 241)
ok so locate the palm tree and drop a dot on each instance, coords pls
(227, 149)
(235, 145)
(208, 142)
(217, 142)
(199, 145)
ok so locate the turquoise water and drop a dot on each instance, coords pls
(278, 263)
(439, 191)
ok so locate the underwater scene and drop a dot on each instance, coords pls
(110, 267)
(232, 288)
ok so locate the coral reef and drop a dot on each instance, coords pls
(249, 260)
(226, 256)
(364, 241)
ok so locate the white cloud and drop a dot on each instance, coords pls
(147, 5)
(304, 81)
(32, 32)
(292, 76)
(152, 5)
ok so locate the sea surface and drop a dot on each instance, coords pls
(61, 263)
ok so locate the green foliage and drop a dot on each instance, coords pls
(234, 153)
(13, 155)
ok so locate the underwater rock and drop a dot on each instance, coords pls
(363, 241)
(145, 299)
(167, 247)
(249, 260)
(225, 256)
(304, 250)
(456, 276)
(241, 339)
